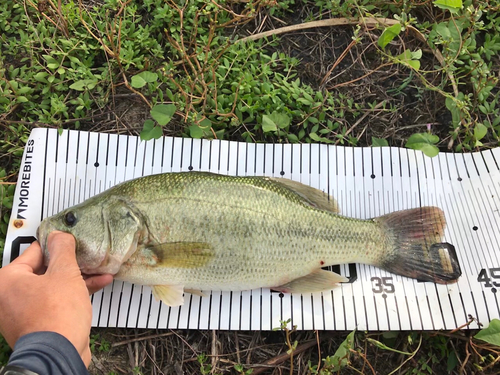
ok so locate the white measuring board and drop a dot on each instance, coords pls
(59, 171)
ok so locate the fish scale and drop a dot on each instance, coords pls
(203, 231)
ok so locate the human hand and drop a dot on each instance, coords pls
(57, 300)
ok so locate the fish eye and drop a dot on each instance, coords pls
(70, 219)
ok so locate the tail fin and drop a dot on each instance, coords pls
(417, 250)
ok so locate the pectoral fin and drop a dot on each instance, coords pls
(181, 254)
(171, 295)
(314, 282)
(313, 196)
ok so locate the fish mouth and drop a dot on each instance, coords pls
(42, 236)
(86, 276)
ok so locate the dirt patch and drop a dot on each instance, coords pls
(134, 351)
(332, 60)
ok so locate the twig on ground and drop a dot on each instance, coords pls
(120, 343)
(361, 119)
(368, 21)
(273, 362)
(215, 351)
(338, 61)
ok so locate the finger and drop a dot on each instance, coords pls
(61, 247)
(32, 258)
(97, 282)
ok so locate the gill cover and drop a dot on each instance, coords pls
(124, 229)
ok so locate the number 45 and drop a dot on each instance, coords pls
(483, 277)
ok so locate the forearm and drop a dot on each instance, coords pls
(47, 353)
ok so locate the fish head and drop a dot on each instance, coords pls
(106, 233)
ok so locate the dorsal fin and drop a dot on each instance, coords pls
(314, 196)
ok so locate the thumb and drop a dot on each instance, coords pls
(62, 256)
(32, 258)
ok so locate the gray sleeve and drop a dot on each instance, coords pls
(47, 353)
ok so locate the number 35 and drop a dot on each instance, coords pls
(382, 284)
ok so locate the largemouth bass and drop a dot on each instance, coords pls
(197, 231)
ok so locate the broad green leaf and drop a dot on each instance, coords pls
(23, 90)
(304, 101)
(83, 84)
(195, 131)
(416, 55)
(491, 334)
(163, 113)
(268, 125)
(206, 124)
(480, 131)
(41, 77)
(341, 356)
(379, 142)
(452, 5)
(408, 57)
(424, 142)
(443, 30)
(280, 119)
(150, 131)
(137, 82)
(307, 96)
(315, 137)
(148, 76)
(219, 134)
(415, 64)
(7, 203)
(169, 94)
(452, 362)
(200, 130)
(389, 34)
(140, 80)
(429, 150)
(51, 62)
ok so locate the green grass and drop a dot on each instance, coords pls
(5, 352)
(61, 67)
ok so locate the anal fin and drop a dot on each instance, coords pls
(314, 282)
(196, 292)
(171, 295)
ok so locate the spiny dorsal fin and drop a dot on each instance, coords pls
(314, 196)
